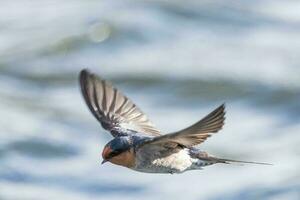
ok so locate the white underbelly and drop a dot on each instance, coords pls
(174, 163)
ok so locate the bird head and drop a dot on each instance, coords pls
(114, 150)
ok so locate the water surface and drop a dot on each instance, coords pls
(178, 61)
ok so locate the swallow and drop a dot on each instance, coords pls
(137, 143)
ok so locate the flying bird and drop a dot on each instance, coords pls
(137, 143)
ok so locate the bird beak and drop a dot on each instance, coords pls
(104, 161)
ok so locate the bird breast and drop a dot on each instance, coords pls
(151, 161)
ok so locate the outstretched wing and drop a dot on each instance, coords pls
(194, 134)
(112, 109)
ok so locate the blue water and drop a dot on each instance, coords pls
(177, 60)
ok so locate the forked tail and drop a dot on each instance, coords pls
(229, 161)
(202, 155)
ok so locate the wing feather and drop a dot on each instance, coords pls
(196, 133)
(112, 109)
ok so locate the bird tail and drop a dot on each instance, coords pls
(202, 155)
(230, 161)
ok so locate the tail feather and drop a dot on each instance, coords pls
(230, 161)
(202, 155)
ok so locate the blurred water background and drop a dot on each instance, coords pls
(177, 60)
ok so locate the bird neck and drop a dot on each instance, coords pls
(126, 159)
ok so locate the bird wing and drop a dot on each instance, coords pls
(112, 109)
(194, 134)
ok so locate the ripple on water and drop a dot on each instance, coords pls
(42, 149)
